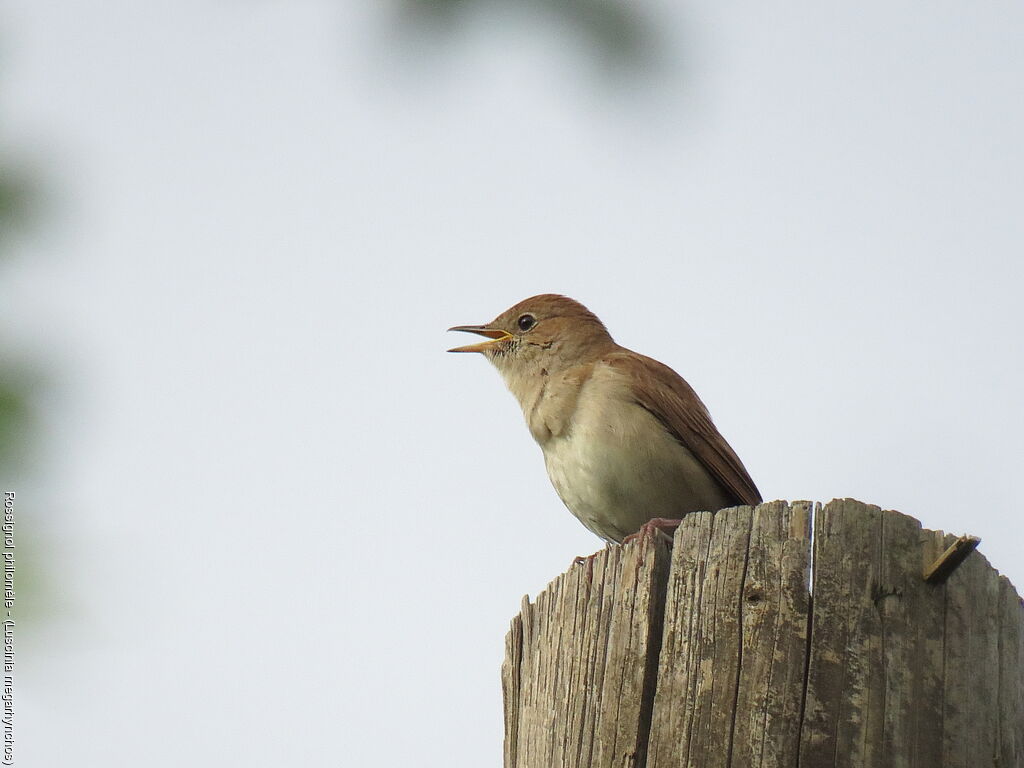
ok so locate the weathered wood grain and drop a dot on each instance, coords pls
(715, 653)
(631, 656)
(579, 670)
(1010, 703)
(911, 612)
(774, 625)
(511, 689)
(679, 674)
(842, 715)
(970, 720)
(732, 661)
(700, 655)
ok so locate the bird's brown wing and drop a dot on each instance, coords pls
(667, 396)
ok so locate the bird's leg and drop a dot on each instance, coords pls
(653, 526)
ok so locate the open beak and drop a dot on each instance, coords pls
(494, 334)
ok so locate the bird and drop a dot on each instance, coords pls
(626, 441)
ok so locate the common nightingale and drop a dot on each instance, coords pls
(625, 438)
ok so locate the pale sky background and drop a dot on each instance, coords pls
(281, 525)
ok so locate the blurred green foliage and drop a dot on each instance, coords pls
(16, 420)
(10, 198)
(14, 196)
(620, 34)
(19, 390)
(15, 383)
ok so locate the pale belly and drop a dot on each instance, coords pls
(618, 470)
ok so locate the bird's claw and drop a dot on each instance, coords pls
(653, 527)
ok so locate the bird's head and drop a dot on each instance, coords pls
(543, 333)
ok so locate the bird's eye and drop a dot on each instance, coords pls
(526, 322)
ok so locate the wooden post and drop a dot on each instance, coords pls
(725, 648)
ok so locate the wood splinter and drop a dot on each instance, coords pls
(950, 560)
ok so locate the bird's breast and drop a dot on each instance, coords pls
(615, 466)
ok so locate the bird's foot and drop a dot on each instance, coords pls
(653, 527)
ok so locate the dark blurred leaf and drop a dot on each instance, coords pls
(15, 201)
(618, 29)
(15, 420)
(15, 390)
(618, 32)
(18, 402)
